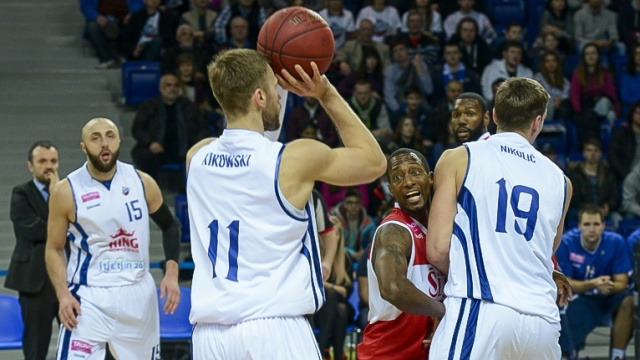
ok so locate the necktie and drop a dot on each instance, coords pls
(46, 193)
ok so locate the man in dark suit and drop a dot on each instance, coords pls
(27, 271)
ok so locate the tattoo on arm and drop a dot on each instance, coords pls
(394, 250)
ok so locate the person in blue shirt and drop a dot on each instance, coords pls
(597, 264)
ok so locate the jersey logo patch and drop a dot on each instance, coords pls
(90, 196)
(125, 190)
(81, 346)
(577, 258)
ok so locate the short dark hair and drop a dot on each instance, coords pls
(512, 44)
(593, 142)
(468, 19)
(412, 89)
(474, 96)
(514, 24)
(399, 40)
(407, 151)
(353, 192)
(591, 209)
(40, 143)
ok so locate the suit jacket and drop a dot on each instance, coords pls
(29, 212)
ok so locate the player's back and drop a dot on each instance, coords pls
(509, 208)
(255, 254)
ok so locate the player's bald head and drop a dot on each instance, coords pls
(97, 124)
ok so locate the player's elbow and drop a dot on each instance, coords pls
(390, 292)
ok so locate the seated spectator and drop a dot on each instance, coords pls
(595, 24)
(629, 23)
(453, 69)
(350, 56)
(431, 19)
(513, 32)
(165, 127)
(630, 79)
(442, 117)
(484, 27)
(370, 110)
(311, 113)
(558, 87)
(336, 314)
(370, 69)
(385, 19)
(380, 199)
(104, 22)
(415, 107)
(362, 275)
(202, 20)
(622, 154)
(340, 21)
(548, 150)
(547, 43)
(358, 227)
(191, 86)
(333, 194)
(238, 35)
(185, 44)
(593, 94)
(470, 118)
(593, 183)
(420, 43)
(631, 194)
(557, 19)
(596, 263)
(476, 53)
(492, 127)
(407, 136)
(248, 9)
(148, 32)
(403, 73)
(509, 66)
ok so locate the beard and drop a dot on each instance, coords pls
(271, 118)
(100, 165)
(474, 134)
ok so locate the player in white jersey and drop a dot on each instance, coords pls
(495, 222)
(254, 245)
(105, 291)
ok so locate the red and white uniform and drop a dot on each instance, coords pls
(392, 334)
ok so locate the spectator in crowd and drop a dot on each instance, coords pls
(513, 32)
(357, 225)
(595, 24)
(623, 152)
(548, 150)
(202, 20)
(631, 194)
(558, 87)
(442, 116)
(415, 107)
(596, 262)
(148, 32)
(185, 44)
(403, 73)
(476, 53)
(340, 21)
(453, 69)
(380, 199)
(362, 276)
(484, 28)
(335, 315)
(546, 43)
(470, 118)
(333, 194)
(165, 127)
(311, 113)
(370, 69)
(249, 9)
(371, 110)
(350, 56)
(104, 21)
(630, 79)
(558, 20)
(509, 66)
(407, 136)
(431, 19)
(420, 43)
(385, 19)
(593, 183)
(238, 35)
(593, 94)
(629, 23)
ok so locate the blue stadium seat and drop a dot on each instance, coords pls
(176, 327)
(626, 227)
(506, 11)
(11, 327)
(618, 64)
(535, 8)
(570, 64)
(182, 213)
(140, 81)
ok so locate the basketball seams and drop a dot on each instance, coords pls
(284, 44)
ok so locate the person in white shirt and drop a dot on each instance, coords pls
(508, 67)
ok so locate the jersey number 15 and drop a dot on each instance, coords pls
(531, 215)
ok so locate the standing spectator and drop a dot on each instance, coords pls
(357, 225)
(403, 73)
(431, 19)
(453, 69)
(509, 66)
(630, 79)
(370, 110)
(148, 32)
(558, 87)
(593, 94)
(596, 262)
(312, 112)
(349, 58)
(598, 25)
(624, 154)
(485, 29)
(420, 43)
(104, 21)
(629, 23)
(340, 21)
(202, 20)
(476, 53)
(385, 19)
(370, 69)
(593, 183)
(165, 127)
(249, 9)
(27, 272)
(557, 19)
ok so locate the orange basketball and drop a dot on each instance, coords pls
(296, 35)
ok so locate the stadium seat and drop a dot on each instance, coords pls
(570, 64)
(176, 327)
(11, 327)
(182, 213)
(140, 81)
(626, 227)
(506, 11)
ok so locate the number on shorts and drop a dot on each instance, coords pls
(233, 248)
(531, 215)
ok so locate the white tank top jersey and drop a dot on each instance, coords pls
(509, 208)
(255, 254)
(110, 237)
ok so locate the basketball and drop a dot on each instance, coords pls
(296, 35)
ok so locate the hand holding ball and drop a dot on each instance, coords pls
(296, 35)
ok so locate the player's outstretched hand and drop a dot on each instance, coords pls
(316, 86)
(169, 287)
(68, 311)
(565, 292)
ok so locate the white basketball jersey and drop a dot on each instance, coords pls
(509, 208)
(110, 237)
(255, 254)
